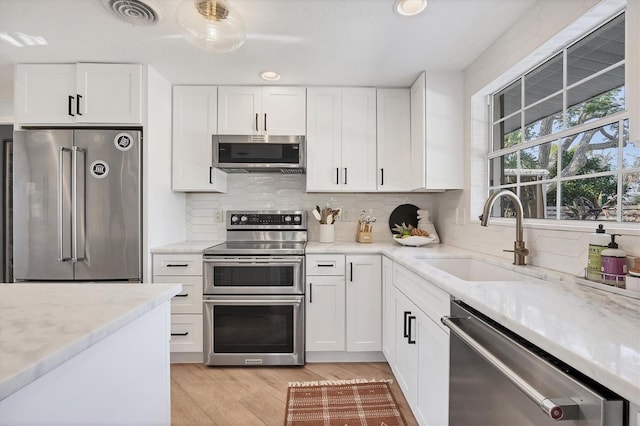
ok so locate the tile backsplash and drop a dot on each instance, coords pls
(273, 191)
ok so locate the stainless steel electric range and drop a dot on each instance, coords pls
(254, 290)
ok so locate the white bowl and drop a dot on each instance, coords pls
(413, 241)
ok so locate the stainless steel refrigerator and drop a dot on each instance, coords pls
(77, 205)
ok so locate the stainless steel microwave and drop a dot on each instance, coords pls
(242, 154)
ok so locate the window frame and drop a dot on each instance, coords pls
(481, 127)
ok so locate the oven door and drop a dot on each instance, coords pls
(254, 275)
(254, 330)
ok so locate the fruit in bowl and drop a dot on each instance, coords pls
(409, 235)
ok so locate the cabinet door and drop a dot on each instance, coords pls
(388, 311)
(189, 300)
(394, 140)
(109, 93)
(194, 122)
(364, 303)
(239, 110)
(324, 135)
(432, 405)
(42, 93)
(406, 365)
(325, 304)
(358, 169)
(283, 111)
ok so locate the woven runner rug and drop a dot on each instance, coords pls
(342, 403)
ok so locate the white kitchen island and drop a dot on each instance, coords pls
(85, 353)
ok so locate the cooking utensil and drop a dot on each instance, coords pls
(316, 214)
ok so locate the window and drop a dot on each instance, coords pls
(560, 135)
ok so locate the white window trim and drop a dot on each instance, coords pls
(480, 130)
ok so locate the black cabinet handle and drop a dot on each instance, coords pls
(345, 175)
(181, 295)
(265, 121)
(310, 292)
(381, 177)
(405, 332)
(325, 265)
(70, 105)
(256, 121)
(210, 174)
(177, 265)
(409, 339)
(337, 175)
(351, 271)
(78, 104)
(186, 333)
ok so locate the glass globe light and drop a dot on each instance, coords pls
(211, 25)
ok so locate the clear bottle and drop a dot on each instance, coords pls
(614, 263)
(598, 241)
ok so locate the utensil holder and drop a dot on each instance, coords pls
(327, 233)
(364, 233)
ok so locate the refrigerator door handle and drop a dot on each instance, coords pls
(74, 204)
(60, 194)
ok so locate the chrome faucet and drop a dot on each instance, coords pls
(519, 249)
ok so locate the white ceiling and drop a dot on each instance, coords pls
(310, 42)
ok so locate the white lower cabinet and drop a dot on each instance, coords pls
(186, 307)
(343, 303)
(421, 353)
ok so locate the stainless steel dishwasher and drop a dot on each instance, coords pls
(498, 378)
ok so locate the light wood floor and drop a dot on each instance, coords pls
(234, 396)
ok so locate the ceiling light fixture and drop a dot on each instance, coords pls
(211, 25)
(270, 76)
(409, 7)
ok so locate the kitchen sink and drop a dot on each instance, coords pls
(469, 269)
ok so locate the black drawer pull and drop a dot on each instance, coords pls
(180, 334)
(181, 295)
(177, 265)
(325, 265)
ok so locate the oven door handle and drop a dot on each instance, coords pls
(227, 261)
(555, 408)
(257, 301)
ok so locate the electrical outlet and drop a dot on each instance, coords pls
(218, 215)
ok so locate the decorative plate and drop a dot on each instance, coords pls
(413, 241)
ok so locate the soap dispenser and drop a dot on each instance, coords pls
(613, 263)
(598, 241)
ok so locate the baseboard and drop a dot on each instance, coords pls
(187, 358)
(344, 357)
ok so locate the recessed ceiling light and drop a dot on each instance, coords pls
(409, 7)
(270, 76)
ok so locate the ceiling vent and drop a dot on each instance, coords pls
(136, 12)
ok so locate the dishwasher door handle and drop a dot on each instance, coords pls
(555, 408)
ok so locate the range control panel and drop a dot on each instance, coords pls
(281, 219)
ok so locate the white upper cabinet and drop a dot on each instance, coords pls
(437, 137)
(194, 123)
(247, 110)
(78, 93)
(341, 139)
(394, 140)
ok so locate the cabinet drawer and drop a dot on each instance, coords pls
(177, 264)
(189, 301)
(325, 264)
(186, 333)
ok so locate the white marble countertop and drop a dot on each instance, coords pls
(185, 247)
(44, 325)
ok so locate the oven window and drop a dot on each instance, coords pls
(253, 329)
(253, 276)
(259, 153)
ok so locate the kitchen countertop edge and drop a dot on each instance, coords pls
(69, 344)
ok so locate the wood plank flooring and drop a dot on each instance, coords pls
(234, 396)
